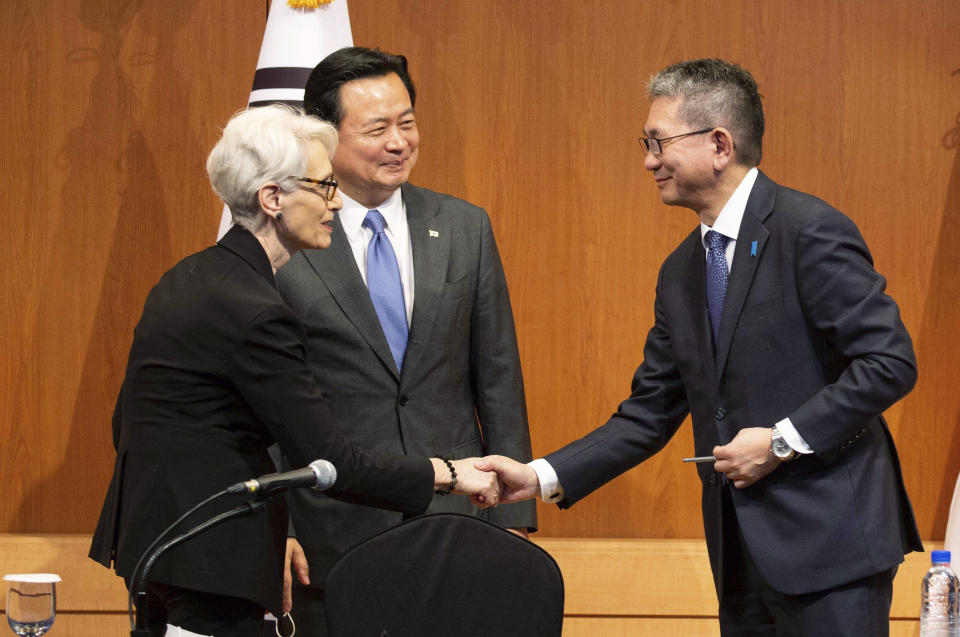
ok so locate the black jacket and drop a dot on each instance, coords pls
(216, 373)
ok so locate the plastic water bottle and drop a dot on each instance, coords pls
(940, 595)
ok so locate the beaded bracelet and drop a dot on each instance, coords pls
(453, 482)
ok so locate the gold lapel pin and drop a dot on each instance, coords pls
(433, 233)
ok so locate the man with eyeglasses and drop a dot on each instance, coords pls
(410, 328)
(773, 331)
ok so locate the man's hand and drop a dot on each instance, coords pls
(747, 458)
(518, 481)
(294, 558)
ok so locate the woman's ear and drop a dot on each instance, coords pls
(269, 196)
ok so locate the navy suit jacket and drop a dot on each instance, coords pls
(807, 333)
(460, 393)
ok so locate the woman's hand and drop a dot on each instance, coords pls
(482, 487)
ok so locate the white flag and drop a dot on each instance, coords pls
(294, 41)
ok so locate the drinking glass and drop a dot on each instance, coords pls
(31, 602)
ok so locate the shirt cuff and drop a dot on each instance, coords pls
(792, 436)
(550, 488)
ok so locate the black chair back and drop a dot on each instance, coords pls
(447, 575)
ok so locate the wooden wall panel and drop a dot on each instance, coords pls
(110, 109)
(531, 109)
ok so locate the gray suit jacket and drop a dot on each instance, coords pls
(461, 390)
(807, 333)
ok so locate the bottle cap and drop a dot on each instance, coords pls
(940, 557)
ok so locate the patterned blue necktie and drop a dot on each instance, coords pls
(716, 277)
(383, 282)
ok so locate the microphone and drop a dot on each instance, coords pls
(319, 474)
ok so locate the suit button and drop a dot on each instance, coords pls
(720, 414)
(713, 479)
(403, 401)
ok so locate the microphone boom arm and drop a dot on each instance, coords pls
(247, 508)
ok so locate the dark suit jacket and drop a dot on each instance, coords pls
(807, 333)
(216, 373)
(461, 364)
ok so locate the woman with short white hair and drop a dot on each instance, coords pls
(217, 372)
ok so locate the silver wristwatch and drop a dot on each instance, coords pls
(780, 448)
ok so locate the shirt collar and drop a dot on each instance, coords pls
(353, 213)
(728, 221)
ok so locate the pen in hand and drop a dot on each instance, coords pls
(700, 459)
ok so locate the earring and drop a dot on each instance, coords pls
(279, 216)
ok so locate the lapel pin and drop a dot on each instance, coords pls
(434, 233)
(753, 249)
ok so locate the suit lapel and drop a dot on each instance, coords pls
(337, 268)
(695, 291)
(430, 240)
(747, 254)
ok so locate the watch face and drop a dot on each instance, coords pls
(780, 448)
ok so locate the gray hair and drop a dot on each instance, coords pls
(259, 145)
(716, 93)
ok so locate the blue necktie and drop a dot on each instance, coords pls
(383, 282)
(716, 277)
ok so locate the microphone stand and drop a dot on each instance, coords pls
(141, 578)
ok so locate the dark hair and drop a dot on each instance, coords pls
(716, 93)
(322, 93)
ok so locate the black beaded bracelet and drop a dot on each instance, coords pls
(453, 482)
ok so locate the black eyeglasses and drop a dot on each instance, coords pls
(328, 187)
(654, 146)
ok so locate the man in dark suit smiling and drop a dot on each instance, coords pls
(409, 323)
(773, 331)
